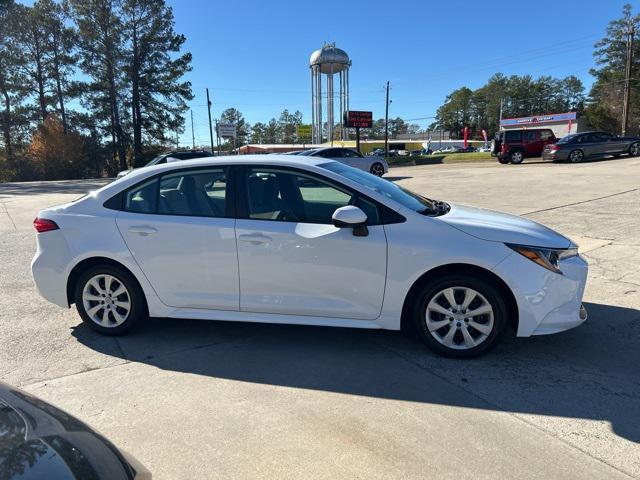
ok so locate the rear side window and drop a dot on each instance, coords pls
(546, 134)
(530, 136)
(143, 198)
(199, 193)
(513, 136)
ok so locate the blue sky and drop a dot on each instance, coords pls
(253, 55)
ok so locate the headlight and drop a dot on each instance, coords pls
(548, 258)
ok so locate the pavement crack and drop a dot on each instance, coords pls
(583, 201)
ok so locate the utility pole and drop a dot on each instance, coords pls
(193, 135)
(627, 77)
(386, 124)
(501, 102)
(210, 127)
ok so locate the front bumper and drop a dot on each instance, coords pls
(547, 302)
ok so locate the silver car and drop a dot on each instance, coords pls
(372, 164)
(587, 145)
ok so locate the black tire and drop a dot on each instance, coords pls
(516, 157)
(503, 160)
(138, 307)
(634, 149)
(377, 169)
(575, 156)
(433, 289)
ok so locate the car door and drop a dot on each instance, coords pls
(180, 228)
(293, 260)
(355, 159)
(530, 143)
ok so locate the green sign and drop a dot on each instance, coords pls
(303, 131)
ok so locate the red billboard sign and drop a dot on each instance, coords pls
(356, 119)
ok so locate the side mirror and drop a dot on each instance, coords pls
(351, 217)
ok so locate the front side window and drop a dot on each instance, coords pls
(281, 195)
(142, 198)
(601, 137)
(198, 193)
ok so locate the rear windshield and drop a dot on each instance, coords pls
(569, 138)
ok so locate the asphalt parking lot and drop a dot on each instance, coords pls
(222, 400)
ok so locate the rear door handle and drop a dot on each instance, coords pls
(143, 230)
(254, 238)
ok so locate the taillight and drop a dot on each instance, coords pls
(554, 148)
(503, 148)
(43, 225)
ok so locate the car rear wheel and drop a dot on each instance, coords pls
(516, 157)
(634, 149)
(109, 300)
(460, 316)
(576, 156)
(377, 169)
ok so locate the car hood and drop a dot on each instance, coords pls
(503, 227)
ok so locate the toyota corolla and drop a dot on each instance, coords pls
(302, 240)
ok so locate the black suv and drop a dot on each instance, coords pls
(173, 156)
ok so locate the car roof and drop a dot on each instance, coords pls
(274, 159)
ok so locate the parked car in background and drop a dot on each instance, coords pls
(484, 149)
(173, 156)
(448, 149)
(513, 146)
(375, 165)
(587, 145)
(419, 153)
(376, 152)
(39, 441)
(304, 240)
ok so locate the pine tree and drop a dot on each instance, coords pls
(158, 93)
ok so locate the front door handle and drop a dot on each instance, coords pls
(143, 230)
(254, 238)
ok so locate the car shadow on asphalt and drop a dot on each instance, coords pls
(586, 373)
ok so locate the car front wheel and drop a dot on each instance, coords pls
(109, 300)
(377, 169)
(634, 149)
(460, 316)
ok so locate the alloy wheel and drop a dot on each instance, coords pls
(635, 150)
(459, 318)
(377, 169)
(575, 156)
(106, 300)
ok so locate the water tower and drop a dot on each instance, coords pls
(328, 61)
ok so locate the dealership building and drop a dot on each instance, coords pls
(562, 124)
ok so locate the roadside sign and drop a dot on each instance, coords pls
(357, 119)
(303, 131)
(226, 130)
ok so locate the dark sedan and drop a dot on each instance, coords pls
(587, 145)
(39, 441)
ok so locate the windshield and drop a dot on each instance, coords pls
(387, 188)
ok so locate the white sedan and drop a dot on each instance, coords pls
(303, 240)
(373, 164)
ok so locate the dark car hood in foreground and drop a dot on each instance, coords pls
(39, 441)
(503, 227)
